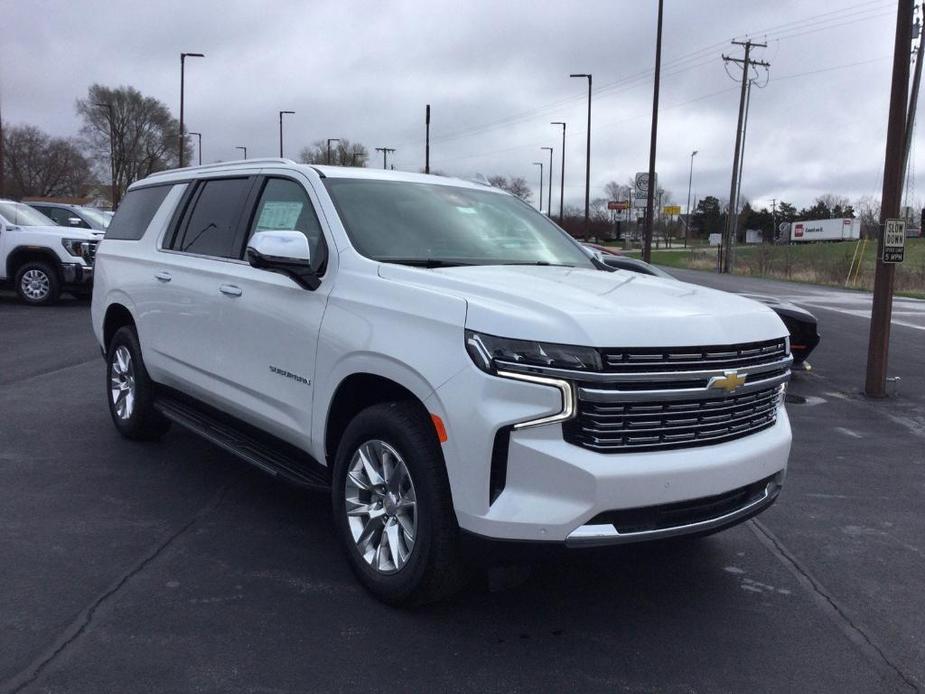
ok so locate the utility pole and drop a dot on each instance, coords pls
(735, 227)
(2, 167)
(773, 219)
(914, 96)
(650, 193)
(588, 161)
(427, 139)
(690, 180)
(244, 149)
(385, 153)
(724, 260)
(561, 174)
(328, 156)
(549, 197)
(540, 164)
(882, 309)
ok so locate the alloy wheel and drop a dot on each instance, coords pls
(381, 506)
(122, 382)
(35, 284)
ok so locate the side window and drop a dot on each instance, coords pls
(135, 213)
(211, 226)
(284, 206)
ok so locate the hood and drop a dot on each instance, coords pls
(67, 232)
(781, 307)
(595, 308)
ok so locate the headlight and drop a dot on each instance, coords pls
(76, 247)
(487, 350)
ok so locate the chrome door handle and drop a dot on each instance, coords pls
(163, 276)
(230, 290)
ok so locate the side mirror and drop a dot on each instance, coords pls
(285, 252)
(74, 221)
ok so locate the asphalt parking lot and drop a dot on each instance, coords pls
(130, 567)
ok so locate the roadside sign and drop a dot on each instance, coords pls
(672, 209)
(642, 182)
(894, 240)
(618, 205)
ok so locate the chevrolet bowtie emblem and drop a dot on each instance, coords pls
(729, 381)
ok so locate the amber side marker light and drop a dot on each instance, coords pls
(438, 426)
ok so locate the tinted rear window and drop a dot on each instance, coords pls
(211, 228)
(136, 212)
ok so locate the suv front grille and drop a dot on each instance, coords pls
(657, 399)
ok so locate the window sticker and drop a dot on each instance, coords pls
(279, 215)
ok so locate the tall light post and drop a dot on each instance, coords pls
(112, 152)
(183, 57)
(540, 164)
(281, 131)
(561, 173)
(199, 138)
(690, 180)
(587, 162)
(549, 197)
(653, 140)
(330, 140)
(244, 149)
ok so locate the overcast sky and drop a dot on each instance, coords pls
(495, 73)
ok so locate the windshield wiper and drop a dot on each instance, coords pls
(537, 262)
(424, 262)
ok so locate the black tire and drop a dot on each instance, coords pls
(37, 283)
(144, 422)
(433, 570)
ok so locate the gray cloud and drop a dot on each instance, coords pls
(495, 74)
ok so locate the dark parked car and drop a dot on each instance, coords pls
(75, 216)
(804, 335)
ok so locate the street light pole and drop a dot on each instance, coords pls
(562, 173)
(549, 197)
(183, 57)
(427, 139)
(540, 164)
(281, 131)
(588, 160)
(245, 151)
(328, 156)
(112, 153)
(690, 180)
(199, 137)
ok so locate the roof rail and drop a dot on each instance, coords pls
(222, 164)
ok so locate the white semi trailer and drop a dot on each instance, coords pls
(843, 229)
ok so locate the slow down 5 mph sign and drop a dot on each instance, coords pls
(894, 240)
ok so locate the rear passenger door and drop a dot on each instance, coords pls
(191, 269)
(268, 324)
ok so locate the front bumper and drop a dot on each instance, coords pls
(553, 489)
(76, 273)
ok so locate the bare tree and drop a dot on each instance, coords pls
(868, 209)
(38, 165)
(516, 186)
(144, 134)
(345, 153)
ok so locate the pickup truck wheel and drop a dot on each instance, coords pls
(37, 283)
(392, 506)
(130, 391)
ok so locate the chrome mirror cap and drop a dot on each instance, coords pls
(280, 245)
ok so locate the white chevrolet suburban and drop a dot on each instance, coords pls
(442, 358)
(40, 259)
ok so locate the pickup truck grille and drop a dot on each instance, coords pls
(657, 399)
(90, 255)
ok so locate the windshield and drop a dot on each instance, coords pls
(23, 215)
(438, 225)
(100, 220)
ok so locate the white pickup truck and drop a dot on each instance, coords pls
(40, 259)
(441, 358)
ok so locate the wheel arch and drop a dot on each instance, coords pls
(353, 394)
(21, 255)
(117, 316)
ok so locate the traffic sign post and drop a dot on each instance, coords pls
(894, 241)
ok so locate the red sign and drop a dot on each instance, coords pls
(798, 230)
(618, 205)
